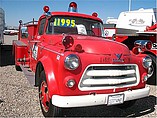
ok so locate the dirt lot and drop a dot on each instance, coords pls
(19, 99)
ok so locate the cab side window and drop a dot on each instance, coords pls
(50, 28)
(24, 32)
(41, 27)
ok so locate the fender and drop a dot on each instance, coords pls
(48, 67)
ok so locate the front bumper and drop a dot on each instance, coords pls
(97, 99)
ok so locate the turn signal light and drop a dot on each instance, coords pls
(145, 78)
(70, 83)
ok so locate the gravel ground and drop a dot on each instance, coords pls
(19, 99)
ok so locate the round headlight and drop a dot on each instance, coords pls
(71, 62)
(147, 62)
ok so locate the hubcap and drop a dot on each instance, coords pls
(44, 97)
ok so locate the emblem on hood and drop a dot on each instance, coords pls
(118, 55)
(118, 59)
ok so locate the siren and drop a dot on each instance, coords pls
(72, 7)
(68, 41)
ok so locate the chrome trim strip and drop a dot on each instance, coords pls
(107, 81)
(51, 50)
(109, 72)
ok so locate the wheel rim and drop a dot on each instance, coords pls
(44, 97)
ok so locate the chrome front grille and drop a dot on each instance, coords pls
(102, 76)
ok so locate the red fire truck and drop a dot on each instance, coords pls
(138, 30)
(65, 55)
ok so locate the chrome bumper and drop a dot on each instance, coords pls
(97, 99)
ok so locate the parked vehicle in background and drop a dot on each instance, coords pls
(66, 56)
(2, 25)
(138, 30)
(10, 32)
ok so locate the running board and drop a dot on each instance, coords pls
(30, 75)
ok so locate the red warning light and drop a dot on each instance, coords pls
(95, 14)
(46, 9)
(73, 4)
(72, 7)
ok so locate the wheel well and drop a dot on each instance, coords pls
(150, 53)
(39, 69)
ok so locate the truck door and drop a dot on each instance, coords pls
(35, 43)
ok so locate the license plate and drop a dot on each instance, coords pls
(115, 99)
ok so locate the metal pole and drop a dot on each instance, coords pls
(129, 5)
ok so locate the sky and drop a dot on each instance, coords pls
(26, 10)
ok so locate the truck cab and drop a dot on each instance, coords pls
(65, 55)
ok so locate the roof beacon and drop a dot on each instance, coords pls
(46, 10)
(95, 14)
(72, 7)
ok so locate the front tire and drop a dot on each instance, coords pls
(48, 109)
(152, 79)
(18, 68)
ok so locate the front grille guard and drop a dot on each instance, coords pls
(109, 76)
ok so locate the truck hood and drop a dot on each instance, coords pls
(98, 45)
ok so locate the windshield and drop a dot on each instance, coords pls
(74, 25)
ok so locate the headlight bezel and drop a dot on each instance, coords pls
(147, 62)
(71, 62)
